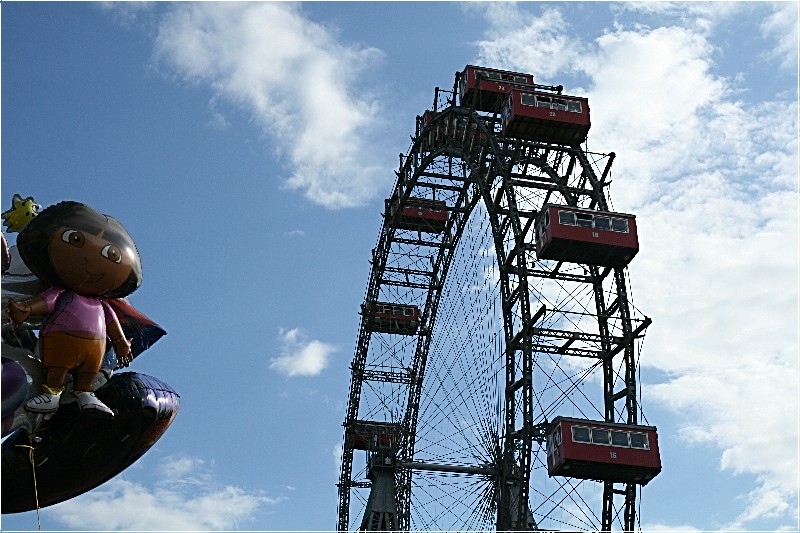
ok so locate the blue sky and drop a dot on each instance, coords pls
(248, 149)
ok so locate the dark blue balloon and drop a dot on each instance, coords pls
(76, 453)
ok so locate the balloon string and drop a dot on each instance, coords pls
(31, 458)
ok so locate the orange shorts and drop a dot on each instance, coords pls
(68, 351)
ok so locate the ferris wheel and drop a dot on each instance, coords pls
(494, 381)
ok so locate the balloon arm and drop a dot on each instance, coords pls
(122, 345)
(20, 311)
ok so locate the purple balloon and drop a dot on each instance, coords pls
(15, 388)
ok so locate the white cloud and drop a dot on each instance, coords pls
(300, 85)
(300, 356)
(782, 26)
(517, 41)
(713, 182)
(169, 505)
(338, 453)
(662, 528)
(127, 14)
(698, 16)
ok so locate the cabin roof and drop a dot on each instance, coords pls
(602, 423)
(477, 67)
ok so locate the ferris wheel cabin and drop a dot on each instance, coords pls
(545, 117)
(603, 451)
(585, 236)
(371, 435)
(420, 214)
(486, 88)
(393, 318)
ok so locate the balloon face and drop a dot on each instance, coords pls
(73, 235)
(87, 263)
(77, 453)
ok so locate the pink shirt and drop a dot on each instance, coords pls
(69, 312)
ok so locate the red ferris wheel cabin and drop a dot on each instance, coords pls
(420, 214)
(486, 88)
(371, 435)
(603, 451)
(393, 318)
(545, 117)
(585, 236)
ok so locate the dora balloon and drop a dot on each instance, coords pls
(87, 257)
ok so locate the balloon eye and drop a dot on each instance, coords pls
(73, 237)
(111, 253)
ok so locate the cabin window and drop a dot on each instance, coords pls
(606, 437)
(584, 221)
(619, 438)
(486, 74)
(549, 102)
(408, 311)
(600, 436)
(580, 434)
(558, 436)
(541, 226)
(527, 99)
(566, 218)
(602, 223)
(520, 79)
(619, 224)
(504, 114)
(639, 440)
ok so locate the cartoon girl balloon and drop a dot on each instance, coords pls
(87, 257)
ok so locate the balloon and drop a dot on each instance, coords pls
(75, 453)
(22, 378)
(47, 459)
(142, 331)
(15, 389)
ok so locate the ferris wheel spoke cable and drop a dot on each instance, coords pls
(565, 394)
(569, 491)
(436, 443)
(443, 437)
(471, 374)
(445, 410)
(383, 403)
(438, 491)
